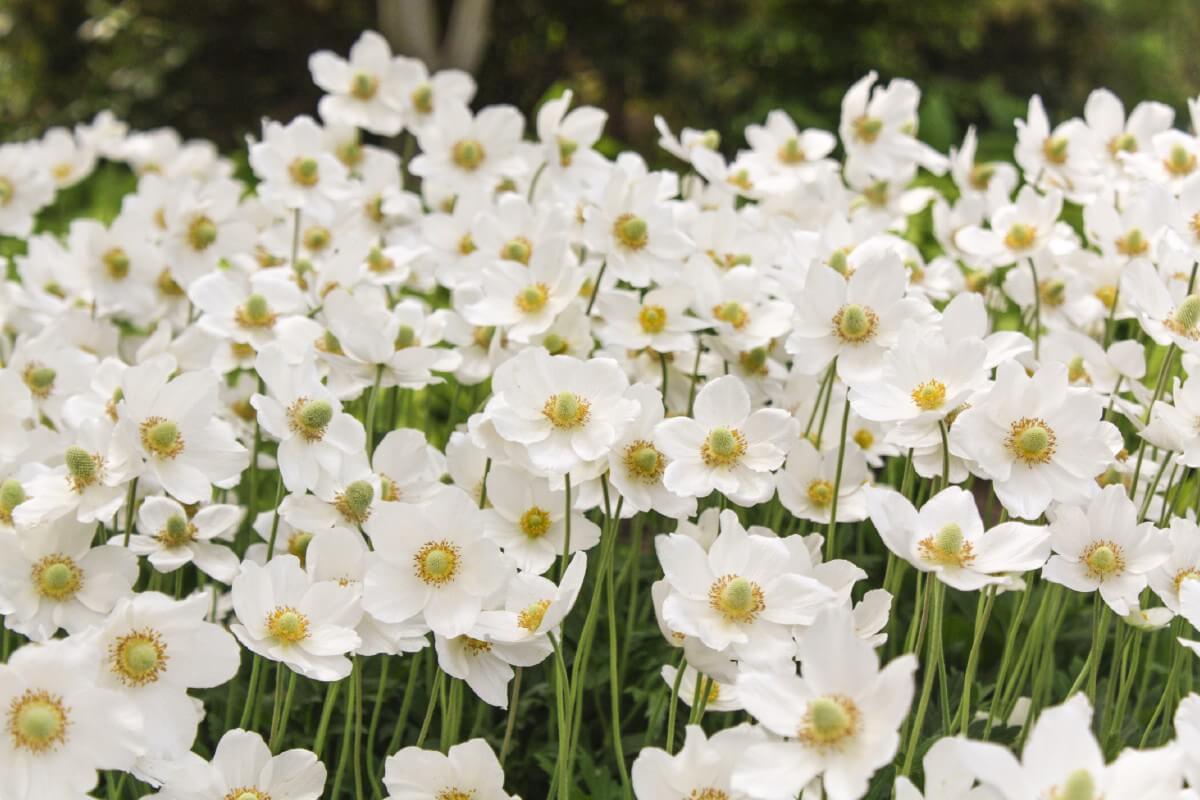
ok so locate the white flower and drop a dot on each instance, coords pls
(170, 538)
(946, 537)
(658, 320)
(1165, 313)
(877, 124)
(1104, 548)
(25, 188)
(636, 231)
(841, 719)
(153, 649)
(726, 447)
(527, 520)
(946, 777)
(636, 466)
(364, 91)
(743, 594)
(283, 616)
(525, 300)
(242, 765)
(51, 577)
(468, 770)
(297, 172)
(433, 560)
(61, 726)
(806, 484)
(470, 154)
(703, 767)
(1181, 566)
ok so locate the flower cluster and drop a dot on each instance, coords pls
(452, 413)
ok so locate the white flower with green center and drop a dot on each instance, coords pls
(737, 304)
(527, 520)
(1020, 230)
(204, 224)
(1166, 313)
(468, 771)
(469, 153)
(1036, 438)
(526, 300)
(243, 768)
(567, 138)
(946, 537)
(314, 434)
(636, 466)
(249, 311)
(170, 537)
(25, 188)
(808, 483)
(725, 448)
(566, 413)
(1181, 567)
(659, 320)
(296, 170)
(87, 487)
(742, 596)
(168, 428)
(154, 649)
(51, 578)
(701, 770)
(433, 561)
(285, 616)
(1103, 548)
(364, 91)
(840, 721)
(60, 724)
(533, 607)
(635, 229)
(877, 128)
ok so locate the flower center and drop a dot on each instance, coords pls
(1122, 143)
(201, 233)
(981, 176)
(12, 494)
(255, 313)
(475, 646)
(566, 150)
(652, 318)
(723, 447)
(735, 598)
(138, 658)
(644, 462)
(1077, 371)
(454, 794)
(1104, 559)
(287, 625)
(37, 721)
(309, 418)
(930, 395)
(708, 793)
(247, 793)
(1187, 315)
(83, 468)
(867, 129)
(116, 264)
(531, 616)
(57, 577)
(39, 378)
(297, 545)
(533, 297)
(354, 502)
(864, 438)
(790, 152)
(304, 171)
(1189, 574)
(829, 721)
(631, 232)
(820, 493)
(733, 313)
(855, 324)
(1107, 295)
(436, 563)
(1053, 292)
(948, 547)
(567, 410)
(1079, 786)
(518, 249)
(1031, 440)
(468, 154)
(317, 238)
(1133, 243)
(7, 192)
(1020, 236)
(1180, 162)
(177, 532)
(535, 522)
(1055, 149)
(161, 437)
(555, 345)
(422, 99)
(364, 85)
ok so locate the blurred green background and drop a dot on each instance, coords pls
(213, 68)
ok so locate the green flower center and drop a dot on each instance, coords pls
(468, 154)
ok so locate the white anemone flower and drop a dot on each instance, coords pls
(468, 770)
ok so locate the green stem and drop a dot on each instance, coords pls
(371, 403)
(433, 699)
(331, 693)
(930, 668)
(831, 538)
(983, 612)
(510, 723)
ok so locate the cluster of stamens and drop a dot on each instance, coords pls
(138, 657)
(436, 563)
(309, 418)
(1103, 559)
(57, 577)
(737, 599)
(930, 395)
(161, 437)
(531, 616)
(567, 410)
(287, 625)
(855, 324)
(829, 722)
(948, 548)
(38, 721)
(1031, 440)
(644, 462)
(723, 447)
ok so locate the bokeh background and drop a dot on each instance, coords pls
(213, 68)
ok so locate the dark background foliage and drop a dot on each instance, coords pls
(212, 69)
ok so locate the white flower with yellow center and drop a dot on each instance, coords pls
(701, 770)
(525, 300)
(1103, 548)
(1181, 567)
(725, 448)
(204, 224)
(855, 321)
(248, 311)
(87, 486)
(1060, 158)
(26, 186)
(635, 229)
(242, 768)
(840, 720)
(533, 607)
(742, 595)
(365, 90)
(567, 138)
(284, 616)
(808, 482)
(1167, 314)
(877, 127)
(58, 725)
(170, 537)
(636, 466)
(468, 153)
(1020, 230)
(51, 578)
(433, 560)
(1036, 438)
(527, 520)
(946, 537)
(469, 771)
(658, 320)
(735, 302)
(945, 778)
(564, 412)
(154, 649)
(296, 170)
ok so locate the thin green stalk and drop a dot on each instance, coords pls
(831, 537)
(433, 700)
(614, 683)
(251, 692)
(983, 612)
(371, 403)
(930, 669)
(670, 746)
(376, 712)
(510, 723)
(130, 500)
(331, 693)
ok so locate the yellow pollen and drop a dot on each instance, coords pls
(867, 129)
(754, 361)
(631, 232)
(247, 793)
(1103, 559)
(161, 437)
(354, 502)
(855, 324)
(455, 794)
(790, 152)
(116, 264)
(304, 172)
(7, 192)
(1031, 441)
(820, 493)
(39, 379)
(422, 99)
(177, 532)
(255, 313)
(829, 722)
(309, 418)
(948, 547)
(287, 625)
(1020, 236)
(981, 176)
(83, 468)
(468, 154)
(1122, 143)
(723, 447)
(737, 599)
(201, 233)
(1180, 163)
(38, 721)
(1055, 149)
(1183, 322)
(533, 297)
(167, 285)
(138, 657)
(57, 577)
(567, 410)
(1189, 574)
(644, 462)
(930, 395)
(436, 563)
(864, 438)
(364, 85)
(653, 319)
(531, 616)
(1077, 371)
(732, 313)
(708, 793)
(1133, 243)
(317, 238)
(566, 151)
(535, 522)
(518, 249)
